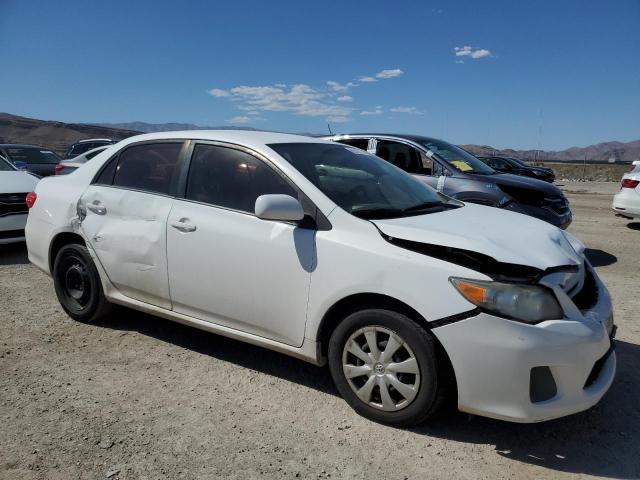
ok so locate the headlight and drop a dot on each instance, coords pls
(526, 303)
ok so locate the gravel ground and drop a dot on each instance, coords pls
(141, 397)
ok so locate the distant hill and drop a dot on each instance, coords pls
(57, 136)
(600, 152)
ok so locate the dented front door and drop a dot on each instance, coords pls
(127, 231)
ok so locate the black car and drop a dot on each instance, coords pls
(83, 146)
(458, 174)
(518, 167)
(38, 160)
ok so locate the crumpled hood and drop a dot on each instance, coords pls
(508, 237)
(17, 182)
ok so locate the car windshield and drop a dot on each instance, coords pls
(515, 162)
(32, 155)
(5, 166)
(458, 158)
(360, 183)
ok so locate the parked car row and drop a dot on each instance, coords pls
(458, 174)
(43, 162)
(347, 251)
(15, 187)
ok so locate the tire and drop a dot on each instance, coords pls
(78, 286)
(402, 406)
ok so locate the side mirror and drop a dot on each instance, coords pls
(20, 165)
(278, 207)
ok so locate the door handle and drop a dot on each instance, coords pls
(97, 208)
(184, 226)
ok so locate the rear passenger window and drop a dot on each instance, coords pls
(231, 178)
(403, 156)
(105, 177)
(149, 167)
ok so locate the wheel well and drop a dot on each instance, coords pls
(360, 301)
(60, 241)
(353, 303)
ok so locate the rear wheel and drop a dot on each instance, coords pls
(77, 284)
(385, 366)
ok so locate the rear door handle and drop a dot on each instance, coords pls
(97, 208)
(184, 225)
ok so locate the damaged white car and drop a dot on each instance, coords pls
(327, 253)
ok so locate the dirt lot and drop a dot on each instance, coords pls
(141, 397)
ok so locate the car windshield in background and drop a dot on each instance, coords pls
(516, 163)
(32, 156)
(361, 183)
(458, 158)
(5, 166)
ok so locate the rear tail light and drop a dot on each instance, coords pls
(31, 199)
(630, 183)
(58, 170)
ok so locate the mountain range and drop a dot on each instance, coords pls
(57, 136)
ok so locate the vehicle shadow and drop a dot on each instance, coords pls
(603, 441)
(223, 348)
(634, 225)
(600, 258)
(13, 254)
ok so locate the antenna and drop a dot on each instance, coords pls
(329, 127)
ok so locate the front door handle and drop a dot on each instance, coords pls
(184, 225)
(97, 208)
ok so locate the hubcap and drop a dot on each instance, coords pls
(75, 282)
(381, 368)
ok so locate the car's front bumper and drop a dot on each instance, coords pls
(12, 228)
(493, 360)
(560, 220)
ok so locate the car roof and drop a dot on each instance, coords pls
(410, 137)
(249, 138)
(87, 140)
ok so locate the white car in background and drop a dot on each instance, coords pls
(65, 167)
(325, 252)
(15, 185)
(626, 203)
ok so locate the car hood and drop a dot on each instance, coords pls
(505, 236)
(17, 182)
(518, 181)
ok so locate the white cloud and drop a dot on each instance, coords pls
(468, 51)
(396, 72)
(459, 61)
(299, 99)
(327, 101)
(338, 87)
(377, 111)
(409, 110)
(240, 120)
(217, 92)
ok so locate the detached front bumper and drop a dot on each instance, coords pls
(531, 373)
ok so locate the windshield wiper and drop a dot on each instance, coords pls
(378, 213)
(423, 206)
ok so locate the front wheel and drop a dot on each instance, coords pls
(77, 284)
(386, 367)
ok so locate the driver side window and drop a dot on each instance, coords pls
(404, 156)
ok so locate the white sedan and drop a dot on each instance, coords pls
(14, 187)
(626, 203)
(330, 254)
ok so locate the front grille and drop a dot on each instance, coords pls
(11, 234)
(13, 204)
(587, 297)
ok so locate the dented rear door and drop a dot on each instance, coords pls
(127, 231)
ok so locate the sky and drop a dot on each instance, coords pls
(544, 74)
